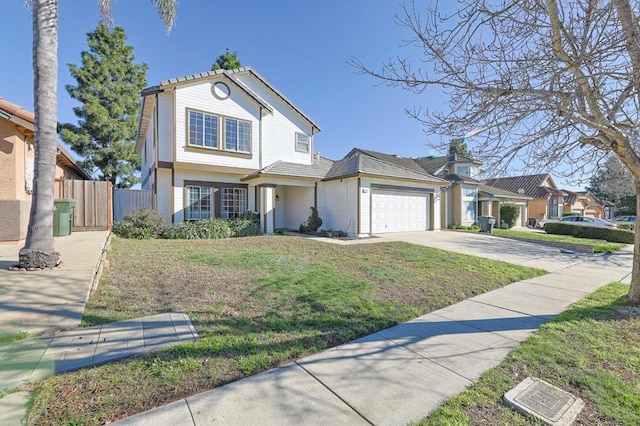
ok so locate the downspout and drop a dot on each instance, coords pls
(260, 141)
(155, 150)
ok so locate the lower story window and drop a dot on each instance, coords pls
(469, 209)
(200, 203)
(234, 202)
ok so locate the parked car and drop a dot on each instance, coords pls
(582, 220)
(624, 219)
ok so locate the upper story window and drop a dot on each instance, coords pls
(207, 130)
(302, 142)
(467, 170)
(203, 129)
(237, 135)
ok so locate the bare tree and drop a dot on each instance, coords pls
(556, 81)
(39, 251)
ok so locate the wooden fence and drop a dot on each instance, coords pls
(94, 203)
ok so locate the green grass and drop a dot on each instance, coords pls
(256, 303)
(599, 246)
(591, 350)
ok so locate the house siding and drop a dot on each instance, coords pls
(538, 208)
(199, 97)
(279, 129)
(337, 205)
(164, 190)
(165, 126)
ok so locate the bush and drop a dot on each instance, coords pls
(141, 224)
(581, 231)
(312, 224)
(129, 230)
(509, 213)
(571, 214)
(203, 229)
(209, 229)
(332, 234)
(629, 226)
(244, 227)
(251, 215)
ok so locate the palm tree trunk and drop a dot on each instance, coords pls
(38, 251)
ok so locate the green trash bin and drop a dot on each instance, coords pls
(63, 216)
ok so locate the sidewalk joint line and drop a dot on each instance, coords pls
(335, 394)
(193, 420)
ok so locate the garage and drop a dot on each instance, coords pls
(398, 211)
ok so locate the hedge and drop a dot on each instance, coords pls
(581, 231)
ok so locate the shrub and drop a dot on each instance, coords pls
(509, 213)
(141, 224)
(244, 228)
(332, 234)
(580, 231)
(312, 224)
(571, 214)
(251, 215)
(200, 230)
(129, 230)
(629, 226)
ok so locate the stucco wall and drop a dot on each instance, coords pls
(14, 219)
(538, 208)
(13, 152)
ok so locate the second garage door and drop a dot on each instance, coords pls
(398, 211)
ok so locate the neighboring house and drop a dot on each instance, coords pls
(547, 200)
(584, 203)
(17, 167)
(219, 143)
(468, 197)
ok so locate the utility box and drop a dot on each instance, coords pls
(63, 216)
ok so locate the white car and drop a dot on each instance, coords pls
(581, 220)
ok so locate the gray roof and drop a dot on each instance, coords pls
(317, 170)
(360, 162)
(406, 163)
(501, 193)
(230, 74)
(432, 164)
(529, 184)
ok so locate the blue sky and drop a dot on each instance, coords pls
(300, 47)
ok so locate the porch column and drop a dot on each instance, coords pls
(267, 208)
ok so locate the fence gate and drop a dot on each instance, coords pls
(92, 211)
(125, 201)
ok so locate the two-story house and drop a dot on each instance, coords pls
(468, 196)
(219, 143)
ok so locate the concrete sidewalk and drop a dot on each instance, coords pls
(40, 301)
(29, 360)
(405, 372)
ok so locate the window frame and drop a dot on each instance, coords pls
(217, 188)
(188, 207)
(242, 127)
(204, 132)
(308, 142)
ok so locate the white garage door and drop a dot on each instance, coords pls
(397, 211)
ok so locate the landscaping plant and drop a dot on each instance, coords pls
(509, 213)
(312, 224)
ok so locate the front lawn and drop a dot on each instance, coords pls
(599, 246)
(256, 303)
(591, 350)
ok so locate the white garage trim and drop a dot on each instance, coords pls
(400, 209)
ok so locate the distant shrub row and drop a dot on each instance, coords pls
(581, 231)
(148, 224)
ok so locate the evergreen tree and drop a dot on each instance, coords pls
(459, 146)
(108, 87)
(227, 61)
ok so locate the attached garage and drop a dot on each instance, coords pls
(399, 210)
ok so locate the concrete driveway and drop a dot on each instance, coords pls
(507, 250)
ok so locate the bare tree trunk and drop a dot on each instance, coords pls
(38, 251)
(634, 291)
